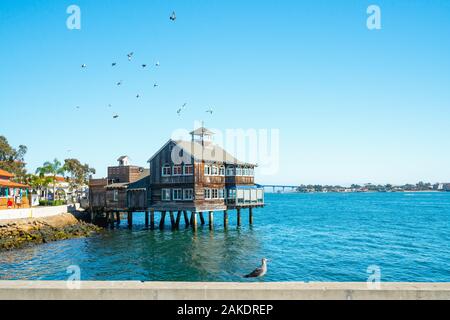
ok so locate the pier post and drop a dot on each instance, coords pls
(202, 218)
(194, 220)
(177, 222)
(250, 215)
(118, 218)
(152, 219)
(146, 219)
(130, 219)
(239, 217)
(111, 219)
(225, 219)
(172, 219)
(163, 220)
(92, 216)
(186, 219)
(211, 220)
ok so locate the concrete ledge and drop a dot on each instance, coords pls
(37, 212)
(91, 290)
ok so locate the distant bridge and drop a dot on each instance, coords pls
(281, 187)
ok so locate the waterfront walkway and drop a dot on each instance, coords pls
(132, 290)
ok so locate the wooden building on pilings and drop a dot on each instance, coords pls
(186, 180)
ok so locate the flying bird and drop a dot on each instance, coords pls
(115, 116)
(144, 66)
(210, 111)
(113, 64)
(83, 66)
(78, 107)
(130, 56)
(157, 64)
(137, 96)
(119, 83)
(259, 272)
(155, 85)
(173, 17)
(181, 109)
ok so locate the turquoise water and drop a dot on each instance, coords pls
(308, 237)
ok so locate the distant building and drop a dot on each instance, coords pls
(12, 194)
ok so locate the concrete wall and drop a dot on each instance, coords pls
(36, 290)
(36, 212)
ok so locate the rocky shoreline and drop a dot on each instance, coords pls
(19, 233)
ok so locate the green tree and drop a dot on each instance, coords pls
(79, 173)
(52, 169)
(12, 160)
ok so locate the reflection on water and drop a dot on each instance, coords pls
(318, 237)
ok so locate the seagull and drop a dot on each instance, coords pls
(259, 272)
(157, 64)
(173, 17)
(155, 85)
(137, 96)
(83, 66)
(115, 116)
(113, 64)
(119, 83)
(144, 66)
(130, 56)
(210, 111)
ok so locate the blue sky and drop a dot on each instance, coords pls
(352, 105)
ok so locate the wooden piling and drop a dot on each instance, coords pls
(172, 220)
(118, 218)
(186, 218)
(250, 215)
(146, 219)
(225, 219)
(238, 217)
(194, 220)
(163, 220)
(202, 219)
(152, 219)
(130, 219)
(211, 220)
(177, 222)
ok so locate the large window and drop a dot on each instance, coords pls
(177, 170)
(230, 171)
(177, 194)
(207, 194)
(188, 194)
(165, 194)
(188, 170)
(222, 170)
(115, 195)
(221, 194)
(238, 171)
(214, 193)
(214, 170)
(207, 170)
(166, 171)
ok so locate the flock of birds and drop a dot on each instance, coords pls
(173, 17)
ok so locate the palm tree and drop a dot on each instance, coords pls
(53, 169)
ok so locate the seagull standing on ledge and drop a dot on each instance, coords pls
(259, 272)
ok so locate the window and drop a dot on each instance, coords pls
(230, 171)
(239, 171)
(166, 171)
(251, 172)
(207, 194)
(231, 193)
(214, 171)
(115, 195)
(177, 170)
(207, 170)
(188, 170)
(222, 171)
(245, 172)
(214, 193)
(188, 194)
(165, 194)
(177, 194)
(221, 193)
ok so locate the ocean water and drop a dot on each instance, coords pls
(307, 237)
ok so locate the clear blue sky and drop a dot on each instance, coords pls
(352, 105)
